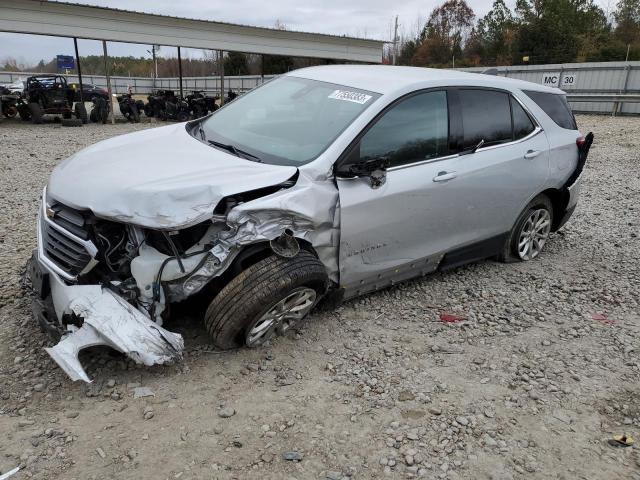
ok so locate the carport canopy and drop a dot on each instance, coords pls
(101, 23)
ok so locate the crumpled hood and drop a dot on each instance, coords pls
(157, 178)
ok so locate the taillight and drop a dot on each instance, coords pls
(580, 141)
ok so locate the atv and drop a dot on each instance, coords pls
(9, 102)
(200, 104)
(100, 110)
(50, 94)
(164, 105)
(129, 107)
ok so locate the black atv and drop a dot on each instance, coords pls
(50, 95)
(156, 103)
(231, 96)
(129, 107)
(164, 105)
(100, 111)
(200, 105)
(9, 102)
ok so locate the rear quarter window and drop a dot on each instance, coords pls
(556, 106)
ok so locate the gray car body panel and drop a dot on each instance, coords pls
(166, 178)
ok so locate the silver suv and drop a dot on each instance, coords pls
(327, 182)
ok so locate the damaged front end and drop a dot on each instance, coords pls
(104, 282)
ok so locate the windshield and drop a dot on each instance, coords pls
(288, 121)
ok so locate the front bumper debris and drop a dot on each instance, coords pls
(107, 320)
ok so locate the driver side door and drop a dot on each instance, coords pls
(396, 230)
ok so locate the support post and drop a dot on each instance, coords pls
(75, 45)
(221, 67)
(106, 73)
(624, 88)
(180, 72)
(155, 65)
(262, 68)
(395, 42)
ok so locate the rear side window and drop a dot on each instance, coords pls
(556, 106)
(415, 129)
(486, 115)
(522, 124)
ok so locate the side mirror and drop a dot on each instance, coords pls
(374, 168)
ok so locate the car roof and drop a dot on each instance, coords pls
(387, 79)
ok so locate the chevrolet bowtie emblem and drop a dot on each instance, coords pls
(50, 213)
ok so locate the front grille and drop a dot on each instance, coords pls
(64, 251)
(65, 238)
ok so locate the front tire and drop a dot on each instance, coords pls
(266, 298)
(531, 231)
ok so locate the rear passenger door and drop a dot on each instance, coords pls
(503, 162)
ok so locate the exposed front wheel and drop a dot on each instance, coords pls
(267, 298)
(530, 232)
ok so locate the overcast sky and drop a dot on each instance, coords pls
(361, 18)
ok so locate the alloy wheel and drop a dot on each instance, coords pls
(281, 316)
(534, 234)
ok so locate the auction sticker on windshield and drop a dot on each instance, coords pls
(355, 97)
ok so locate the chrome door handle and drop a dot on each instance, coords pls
(532, 154)
(444, 176)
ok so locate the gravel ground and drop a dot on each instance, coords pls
(542, 371)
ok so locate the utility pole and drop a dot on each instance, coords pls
(154, 49)
(627, 57)
(395, 41)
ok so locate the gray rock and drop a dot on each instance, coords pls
(226, 412)
(292, 456)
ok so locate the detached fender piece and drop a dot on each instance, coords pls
(109, 320)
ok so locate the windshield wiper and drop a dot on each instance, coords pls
(234, 150)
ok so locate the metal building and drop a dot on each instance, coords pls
(100, 23)
(581, 80)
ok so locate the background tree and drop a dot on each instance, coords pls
(235, 63)
(445, 34)
(497, 34)
(627, 17)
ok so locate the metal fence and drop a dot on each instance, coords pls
(580, 79)
(599, 78)
(144, 85)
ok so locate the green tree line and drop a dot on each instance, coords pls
(534, 32)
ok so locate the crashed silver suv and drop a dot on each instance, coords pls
(325, 182)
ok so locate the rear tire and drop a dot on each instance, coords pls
(183, 116)
(530, 233)
(237, 314)
(35, 112)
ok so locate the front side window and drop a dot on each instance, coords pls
(415, 129)
(288, 121)
(486, 115)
